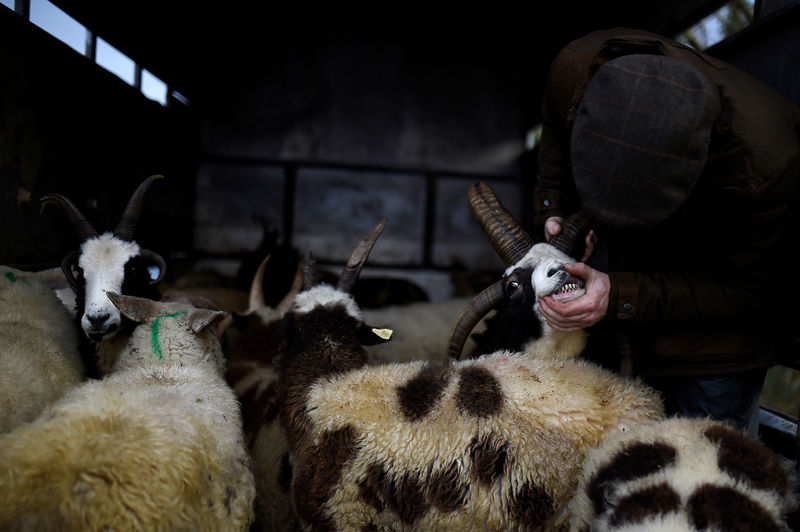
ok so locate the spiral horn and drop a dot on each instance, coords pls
(505, 234)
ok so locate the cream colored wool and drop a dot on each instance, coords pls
(420, 332)
(39, 357)
(155, 445)
(696, 466)
(273, 504)
(554, 411)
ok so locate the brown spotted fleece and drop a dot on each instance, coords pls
(693, 474)
(493, 443)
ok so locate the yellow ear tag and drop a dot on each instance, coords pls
(383, 334)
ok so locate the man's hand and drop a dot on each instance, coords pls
(552, 227)
(584, 311)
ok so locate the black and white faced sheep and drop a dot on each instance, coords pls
(493, 443)
(39, 357)
(155, 445)
(683, 475)
(421, 332)
(108, 262)
(533, 271)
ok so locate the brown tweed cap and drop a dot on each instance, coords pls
(640, 138)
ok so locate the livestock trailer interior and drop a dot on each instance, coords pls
(280, 128)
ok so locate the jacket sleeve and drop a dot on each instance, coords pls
(732, 274)
(554, 193)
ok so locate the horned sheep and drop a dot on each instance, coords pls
(684, 474)
(517, 324)
(664, 474)
(421, 332)
(155, 445)
(39, 357)
(107, 262)
(494, 442)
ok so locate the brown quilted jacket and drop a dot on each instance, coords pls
(702, 293)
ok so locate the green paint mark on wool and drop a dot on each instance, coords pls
(13, 278)
(155, 326)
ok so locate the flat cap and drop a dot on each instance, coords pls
(640, 138)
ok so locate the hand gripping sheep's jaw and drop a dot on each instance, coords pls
(534, 271)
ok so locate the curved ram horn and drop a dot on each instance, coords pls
(478, 307)
(76, 218)
(505, 234)
(358, 257)
(256, 298)
(159, 260)
(127, 223)
(573, 230)
(69, 260)
(286, 303)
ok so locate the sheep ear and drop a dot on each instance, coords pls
(139, 309)
(372, 335)
(200, 319)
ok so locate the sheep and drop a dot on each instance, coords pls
(155, 445)
(108, 262)
(421, 332)
(421, 329)
(514, 297)
(39, 357)
(494, 442)
(629, 452)
(683, 474)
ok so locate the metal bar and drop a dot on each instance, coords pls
(23, 8)
(137, 76)
(91, 45)
(430, 220)
(259, 161)
(289, 191)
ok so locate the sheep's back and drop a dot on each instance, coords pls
(39, 357)
(686, 473)
(496, 441)
(153, 455)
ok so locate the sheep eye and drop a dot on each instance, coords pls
(513, 286)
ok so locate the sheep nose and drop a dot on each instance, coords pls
(98, 319)
(554, 270)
